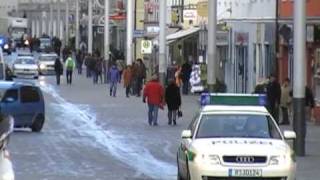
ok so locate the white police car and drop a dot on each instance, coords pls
(234, 137)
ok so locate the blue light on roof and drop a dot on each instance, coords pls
(1, 41)
(233, 99)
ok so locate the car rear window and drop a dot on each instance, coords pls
(29, 94)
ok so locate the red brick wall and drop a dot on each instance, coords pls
(286, 8)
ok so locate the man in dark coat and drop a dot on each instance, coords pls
(173, 100)
(186, 72)
(58, 68)
(273, 97)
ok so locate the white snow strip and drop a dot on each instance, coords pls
(121, 146)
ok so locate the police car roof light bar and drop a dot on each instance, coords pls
(233, 99)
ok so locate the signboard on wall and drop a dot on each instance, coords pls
(146, 47)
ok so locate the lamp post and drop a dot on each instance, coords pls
(90, 32)
(212, 47)
(299, 78)
(162, 41)
(130, 14)
(106, 38)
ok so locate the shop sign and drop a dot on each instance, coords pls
(202, 8)
(146, 47)
(190, 15)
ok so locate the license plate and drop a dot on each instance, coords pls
(245, 173)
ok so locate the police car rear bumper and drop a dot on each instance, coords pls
(216, 172)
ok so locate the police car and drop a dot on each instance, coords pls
(233, 137)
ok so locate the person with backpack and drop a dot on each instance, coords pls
(70, 65)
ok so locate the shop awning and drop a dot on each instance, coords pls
(182, 34)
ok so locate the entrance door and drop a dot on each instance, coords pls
(241, 69)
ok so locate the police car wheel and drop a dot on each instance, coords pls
(38, 124)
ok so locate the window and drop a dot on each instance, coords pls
(237, 126)
(193, 123)
(29, 94)
(11, 94)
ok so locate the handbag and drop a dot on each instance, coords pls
(180, 114)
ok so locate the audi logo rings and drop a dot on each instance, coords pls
(245, 159)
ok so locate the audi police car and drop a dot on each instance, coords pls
(234, 137)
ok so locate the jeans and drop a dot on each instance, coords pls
(88, 72)
(58, 78)
(172, 116)
(95, 77)
(185, 87)
(128, 91)
(285, 115)
(69, 76)
(113, 89)
(153, 114)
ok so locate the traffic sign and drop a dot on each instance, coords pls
(146, 47)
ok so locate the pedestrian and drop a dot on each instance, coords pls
(140, 76)
(310, 103)
(285, 101)
(127, 77)
(114, 80)
(70, 65)
(134, 71)
(99, 68)
(120, 66)
(153, 95)
(87, 60)
(177, 76)
(58, 68)
(173, 101)
(186, 73)
(79, 60)
(273, 97)
(93, 69)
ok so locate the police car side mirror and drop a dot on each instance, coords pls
(186, 134)
(289, 135)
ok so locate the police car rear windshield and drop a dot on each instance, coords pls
(237, 126)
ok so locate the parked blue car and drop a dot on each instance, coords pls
(24, 102)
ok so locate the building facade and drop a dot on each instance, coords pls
(251, 26)
(8, 8)
(313, 43)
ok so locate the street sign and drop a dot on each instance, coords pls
(138, 33)
(146, 47)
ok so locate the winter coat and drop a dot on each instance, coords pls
(285, 96)
(186, 72)
(141, 71)
(58, 67)
(98, 67)
(177, 77)
(127, 77)
(70, 64)
(153, 92)
(173, 97)
(114, 74)
(273, 93)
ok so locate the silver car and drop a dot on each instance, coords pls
(46, 63)
(25, 67)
